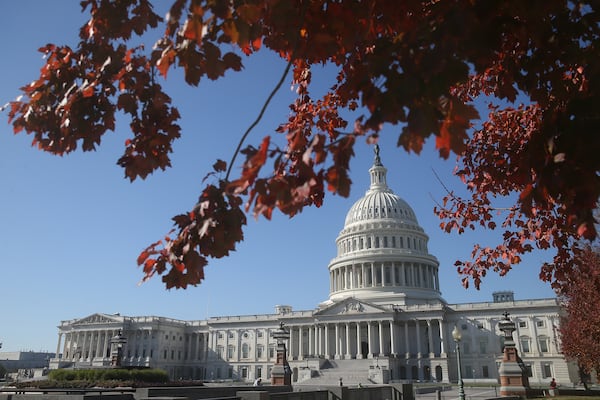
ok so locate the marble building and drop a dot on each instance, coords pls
(385, 319)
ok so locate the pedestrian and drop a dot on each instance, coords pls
(552, 391)
(257, 382)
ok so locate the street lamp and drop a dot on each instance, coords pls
(457, 337)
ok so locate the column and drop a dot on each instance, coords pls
(58, 345)
(254, 355)
(373, 280)
(363, 275)
(318, 343)
(291, 344)
(369, 340)
(419, 353)
(348, 355)
(393, 338)
(430, 339)
(300, 343)
(442, 338)
(98, 345)
(381, 349)
(105, 344)
(406, 343)
(337, 342)
(84, 345)
(327, 355)
(311, 331)
(358, 343)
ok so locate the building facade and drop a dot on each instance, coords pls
(385, 319)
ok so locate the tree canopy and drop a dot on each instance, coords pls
(417, 65)
(580, 327)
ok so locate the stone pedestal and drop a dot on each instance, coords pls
(281, 374)
(513, 374)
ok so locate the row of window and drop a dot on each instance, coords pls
(539, 323)
(377, 242)
(246, 349)
(245, 335)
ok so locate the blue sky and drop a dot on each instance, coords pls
(72, 227)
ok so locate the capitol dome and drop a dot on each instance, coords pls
(382, 254)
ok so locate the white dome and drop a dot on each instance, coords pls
(382, 252)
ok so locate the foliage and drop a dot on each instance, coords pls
(417, 64)
(95, 375)
(580, 328)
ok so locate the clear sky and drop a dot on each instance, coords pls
(72, 227)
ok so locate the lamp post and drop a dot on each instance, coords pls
(457, 337)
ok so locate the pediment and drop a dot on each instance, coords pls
(351, 306)
(98, 319)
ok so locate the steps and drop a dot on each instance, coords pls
(352, 372)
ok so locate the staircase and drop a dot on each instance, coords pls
(352, 372)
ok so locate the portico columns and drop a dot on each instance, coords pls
(430, 339)
(406, 343)
(369, 340)
(348, 355)
(381, 350)
(419, 353)
(327, 355)
(337, 342)
(58, 345)
(300, 344)
(393, 338)
(291, 344)
(358, 343)
(442, 338)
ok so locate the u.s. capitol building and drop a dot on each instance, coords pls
(385, 319)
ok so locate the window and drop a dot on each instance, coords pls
(259, 351)
(522, 324)
(466, 346)
(525, 345)
(259, 333)
(543, 341)
(172, 354)
(469, 372)
(230, 351)
(244, 372)
(483, 346)
(245, 350)
(220, 351)
(485, 373)
(231, 335)
(220, 335)
(540, 323)
(165, 354)
(546, 370)
(259, 372)
(271, 352)
(529, 369)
